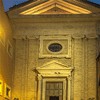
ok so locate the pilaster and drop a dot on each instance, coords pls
(91, 67)
(39, 87)
(69, 86)
(78, 63)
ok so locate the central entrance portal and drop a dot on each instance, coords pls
(54, 90)
(54, 81)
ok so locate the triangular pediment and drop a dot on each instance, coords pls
(54, 68)
(54, 65)
(56, 7)
(56, 10)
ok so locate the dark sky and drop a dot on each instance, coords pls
(95, 1)
(11, 3)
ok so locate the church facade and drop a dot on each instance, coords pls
(56, 50)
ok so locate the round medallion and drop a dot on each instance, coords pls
(55, 47)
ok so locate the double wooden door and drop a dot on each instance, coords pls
(54, 90)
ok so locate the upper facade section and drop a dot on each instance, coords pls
(41, 7)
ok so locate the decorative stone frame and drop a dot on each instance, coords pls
(55, 39)
(54, 80)
(54, 71)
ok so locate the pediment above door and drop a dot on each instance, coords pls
(54, 68)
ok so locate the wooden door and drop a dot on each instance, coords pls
(54, 90)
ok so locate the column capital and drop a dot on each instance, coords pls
(39, 77)
(69, 77)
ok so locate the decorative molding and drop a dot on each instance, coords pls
(39, 77)
(50, 72)
(78, 36)
(65, 6)
(54, 69)
(65, 41)
(64, 82)
(82, 36)
(24, 37)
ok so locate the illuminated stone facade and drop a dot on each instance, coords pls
(82, 48)
(55, 54)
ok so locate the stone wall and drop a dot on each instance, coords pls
(83, 54)
(6, 64)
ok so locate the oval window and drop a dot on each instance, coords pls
(55, 47)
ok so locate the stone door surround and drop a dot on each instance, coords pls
(54, 71)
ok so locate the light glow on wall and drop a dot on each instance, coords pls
(1, 31)
(2, 34)
(1, 87)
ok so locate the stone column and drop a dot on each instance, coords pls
(32, 64)
(39, 87)
(85, 69)
(91, 67)
(69, 87)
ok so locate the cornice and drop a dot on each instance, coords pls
(36, 37)
(56, 18)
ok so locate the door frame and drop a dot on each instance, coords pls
(63, 80)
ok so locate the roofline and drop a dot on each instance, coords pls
(23, 4)
(27, 2)
(91, 3)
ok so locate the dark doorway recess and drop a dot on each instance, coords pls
(54, 98)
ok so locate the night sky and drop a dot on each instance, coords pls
(11, 3)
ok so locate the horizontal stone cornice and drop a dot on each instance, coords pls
(56, 18)
(24, 37)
